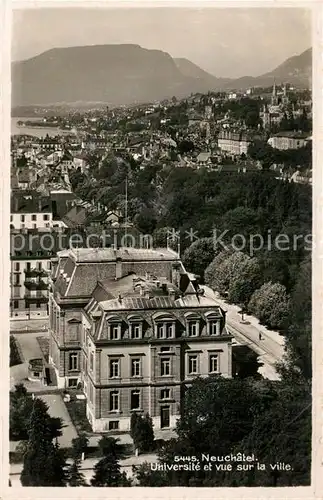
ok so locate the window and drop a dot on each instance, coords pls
(38, 305)
(49, 265)
(114, 332)
(34, 226)
(114, 368)
(192, 328)
(192, 365)
(91, 361)
(72, 382)
(165, 367)
(114, 401)
(135, 367)
(113, 425)
(135, 400)
(15, 304)
(39, 266)
(34, 217)
(213, 328)
(22, 226)
(169, 330)
(73, 361)
(17, 266)
(45, 217)
(213, 363)
(135, 329)
(28, 266)
(166, 349)
(165, 394)
(160, 331)
(17, 279)
(22, 218)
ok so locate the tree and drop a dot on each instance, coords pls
(299, 338)
(222, 273)
(261, 151)
(107, 471)
(145, 220)
(75, 476)
(44, 462)
(142, 432)
(79, 445)
(199, 255)
(244, 284)
(270, 304)
(145, 476)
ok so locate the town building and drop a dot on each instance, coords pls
(234, 143)
(133, 329)
(289, 140)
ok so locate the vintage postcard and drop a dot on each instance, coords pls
(162, 226)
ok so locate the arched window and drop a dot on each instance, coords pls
(164, 325)
(193, 324)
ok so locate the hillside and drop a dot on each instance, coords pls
(116, 74)
(296, 70)
(126, 74)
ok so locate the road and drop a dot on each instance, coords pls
(271, 346)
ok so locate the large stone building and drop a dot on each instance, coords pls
(233, 143)
(133, 329)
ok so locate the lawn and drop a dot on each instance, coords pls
(77, 411)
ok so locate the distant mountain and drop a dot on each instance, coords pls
(116, 74)
(126, 74)
(296, 70)
(191, 70)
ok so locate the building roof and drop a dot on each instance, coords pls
(127, 254)
(292, 135)
(85, 267)
(204, 156)
(23, 202)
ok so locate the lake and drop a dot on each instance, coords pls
(37, 132)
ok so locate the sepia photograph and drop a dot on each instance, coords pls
(160, 246)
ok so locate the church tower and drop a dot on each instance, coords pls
(274, 99)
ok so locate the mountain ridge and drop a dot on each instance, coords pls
(128, 73)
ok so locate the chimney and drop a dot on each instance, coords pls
(118, 268)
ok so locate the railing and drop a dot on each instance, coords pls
(36, 273)
(36, 285)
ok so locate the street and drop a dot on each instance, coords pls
(270, 347)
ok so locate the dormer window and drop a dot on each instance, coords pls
(193, 322)
(135, 327)
(213, 323)
(114, 328)
(214, 327)
(165, 330)
(193, 328)
(135, 331)
(114, 332)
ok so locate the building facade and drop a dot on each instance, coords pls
(289, 140)
(234, 143)
(134, 334)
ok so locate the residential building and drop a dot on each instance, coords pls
(289, 140)
(29, 211)
(30, 267)
(134, 329)
(234, 143)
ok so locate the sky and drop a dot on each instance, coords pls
(229, 42)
